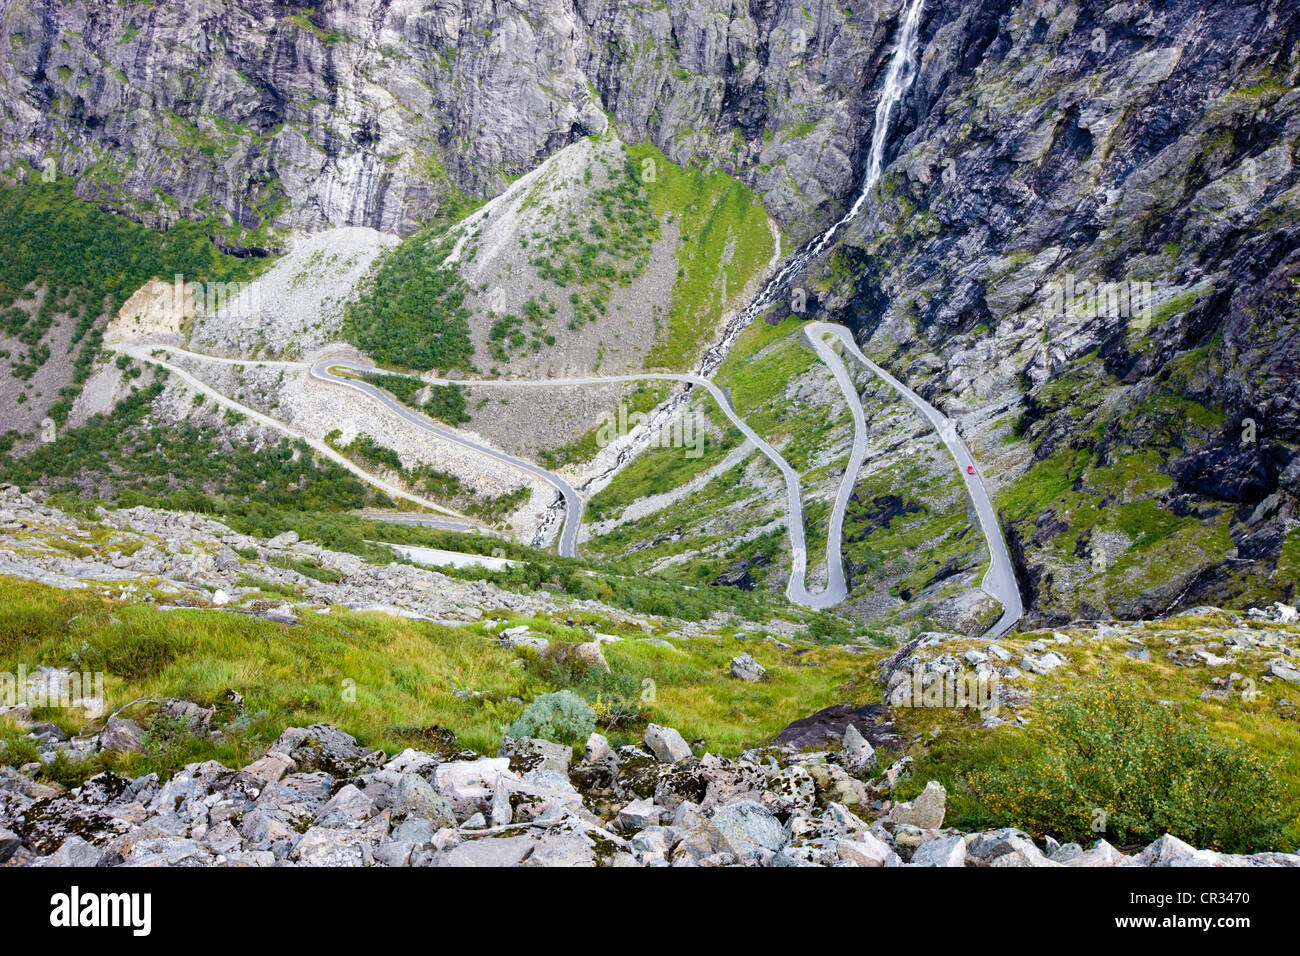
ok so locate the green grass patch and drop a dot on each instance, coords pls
(726, 242)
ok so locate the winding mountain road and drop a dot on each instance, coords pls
(323, 371)
(144, 353)
(327, 370)
(999, 581)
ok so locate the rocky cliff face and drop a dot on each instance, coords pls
(343, 113)
(372, 112)
(1087, 242)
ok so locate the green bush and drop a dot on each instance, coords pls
(414, 314)
(1110, 762)
(562, 717)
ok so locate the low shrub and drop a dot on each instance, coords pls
(1111, 762)
(562, 717)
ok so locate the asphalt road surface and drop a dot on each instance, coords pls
(1000, 579)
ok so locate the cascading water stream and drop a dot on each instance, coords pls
(898, 78)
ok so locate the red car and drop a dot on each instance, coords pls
(970, 469)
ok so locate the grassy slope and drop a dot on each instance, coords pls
(406, 673)
(1120, 506)
(960, 747)
(726, 242)
(89, 262)
(757, 371)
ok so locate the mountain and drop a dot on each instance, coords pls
(1043, 163)
(742, 368)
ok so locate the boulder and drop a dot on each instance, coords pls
(945, 851)
(121, 735)
(746, 668)
(563, 849)
(9, 843)
(1042, 665)
(666, 744)
(271, 767)
(468, 784)
(487, 851)
(326, 748)
(187, 715)
(1101, 854)
(1171, 851)
(597, 749)
(349, 806)
(639, 814)
(856, 754)
(865, 850)
(415, 798)
(1283, 669)
(591, 655)
(325, 846)
(75, 852)
(533, 753)
(926, 811)
(988, 847)
(750, 831)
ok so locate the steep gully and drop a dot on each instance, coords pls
(999, 581)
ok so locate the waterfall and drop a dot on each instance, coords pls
(898, 77)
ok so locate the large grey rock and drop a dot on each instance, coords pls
(945, 851)
(666, 744)
(1284, 669)
(750, 830)
(9, 843)
(989, 849)
(121, 735)
(1100, 854)
(639, 814)
(597, 749)
(925, 812)
(856, 753)
(488, 851)
(865, 849)
(347, 807)
(562, 849)
(468, 784)
(75, 852)
(189, 716)
(271, 767)
(414, 797)
(326, 748)
(325, 846)
(746, 668)
(1173, 852)
(533, 753)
